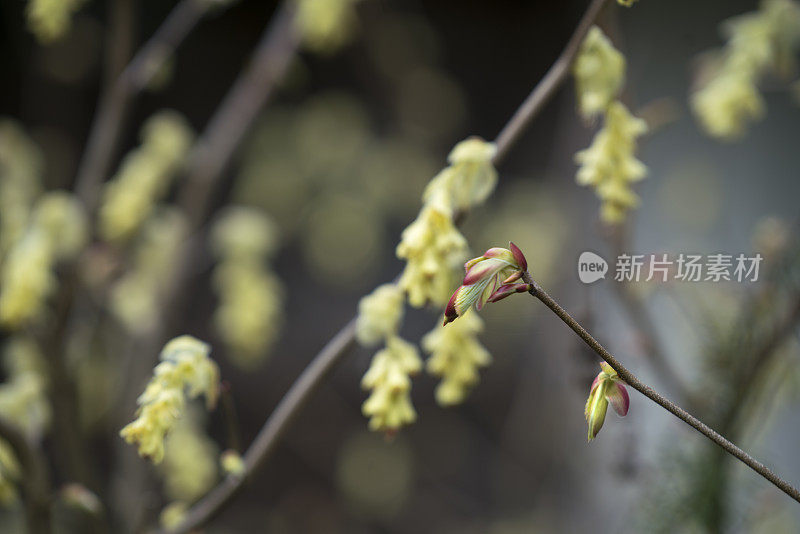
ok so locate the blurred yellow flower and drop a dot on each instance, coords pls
(379, 315)
(599, 71)
(325, 25)
(609, 164)
(144, 176)
(50, 20)
(455, 357)
(758, 42)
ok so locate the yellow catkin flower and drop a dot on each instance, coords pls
(23, 396)
(758, 43)
(325, 25)
(232, 463)
(609, 165)
(190, 461)
(249, 314)
(388, 377)
(185, 372)
(135, 297)
(626, 3)
(144, 176)
(379, 315)
(20, 170)
(431, 245)
(599, 71)
(456, 356)
(49, 20)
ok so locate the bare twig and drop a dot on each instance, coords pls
(109, 118)
(662, 401)
(316, 372)
(35, 479)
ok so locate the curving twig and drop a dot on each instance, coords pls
(319, 368)
(109, 118)
(659, 399)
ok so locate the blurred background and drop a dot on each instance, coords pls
(337, 160)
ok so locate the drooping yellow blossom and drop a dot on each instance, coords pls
(135, 297)
(57, 230)
(599, 71)
(50, 20)
(468, 180)
(431, 245)
(20, 169)
(248, 316)
(325, 25)
(758, 42)
(610, 165)
(185, 372)
(23, 396)
(190, 461)
(379, 315)
(433, 249)
(389, 405)
(455, 356)
(144, 175)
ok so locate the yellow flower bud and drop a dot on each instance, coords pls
(379, 315)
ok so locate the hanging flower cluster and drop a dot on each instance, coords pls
(432, 246)
(248, 316)
(599, 71)
(433, 249)
(456, 355)
(144, 176)
(49, 20)
(759, 42)
(607, 388)
(185, 372)
(389, 405)
(57, 232)
(609, 165)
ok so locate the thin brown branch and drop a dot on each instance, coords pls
(109, 118)
(659, 399)
(319, 368)
(34, 480)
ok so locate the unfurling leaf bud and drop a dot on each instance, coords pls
(488, 278)
(607, 387)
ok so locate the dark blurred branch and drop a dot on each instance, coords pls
(548, 85)
(319, 368)
(34, 478)
(662, 401)
(107, 125)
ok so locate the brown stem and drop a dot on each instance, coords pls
(319, 368)
(662, 401)
(35, 479)
(109, 118)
